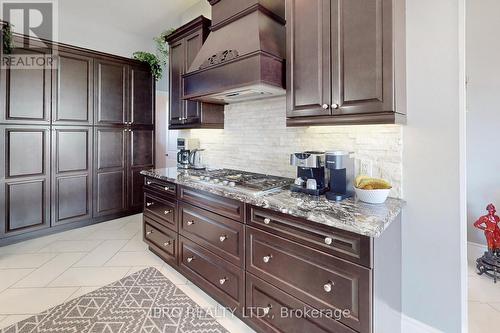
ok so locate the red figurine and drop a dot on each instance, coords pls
(489, 223)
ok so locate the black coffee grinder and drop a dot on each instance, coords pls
(310, 172)
(341, 167)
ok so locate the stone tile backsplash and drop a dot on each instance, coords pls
(255, 138)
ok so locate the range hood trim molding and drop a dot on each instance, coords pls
(245, 12)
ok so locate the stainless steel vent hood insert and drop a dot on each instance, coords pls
(243, 57)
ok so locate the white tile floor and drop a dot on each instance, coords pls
(484, 296)
(38, 274)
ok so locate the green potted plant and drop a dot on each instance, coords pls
(157, 62)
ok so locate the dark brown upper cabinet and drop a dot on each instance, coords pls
(142, 90)
(73, 95)
(111, 85)
(345, 62)
(26, 97)
(184, 44)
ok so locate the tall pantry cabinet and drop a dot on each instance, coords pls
(73, 138)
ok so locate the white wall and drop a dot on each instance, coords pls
(483, 118)
(200, 8)
(432, 246)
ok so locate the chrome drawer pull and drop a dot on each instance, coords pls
(168, 188)
(149, 232)
(329, 286)
(223, 280)
(223, 238)
(328, 241)
(190, 222)
(149, 183)
(166, 243)
(149, 204)
(267, 221)
(167, 212)
(190, 259)
(267, 259)
(267, 309)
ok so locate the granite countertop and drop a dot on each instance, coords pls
(350, 215)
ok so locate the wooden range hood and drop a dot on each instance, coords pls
(243, 57)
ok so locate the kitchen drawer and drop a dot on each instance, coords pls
(313, 277)
(340, 243)
(161, 240)
(164, 211)
(218, 234)
(231, 208)
(217, 277)
(262, 298)
(160, 186)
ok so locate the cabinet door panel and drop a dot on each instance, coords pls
(73, 90)
(26, 152)
(362, 44)
(142, 96)
(141, 157)
(193, 44)
(177, 105)
(110, 190)
(142, 148)
(71, 174)
(26, 205)
(72, 147)
(111, 93)
(27, 94)
(110, 148)
(24, 179)
(72, 197)
(308, 62)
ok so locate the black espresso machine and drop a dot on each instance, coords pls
(311, 179)
(310, 172)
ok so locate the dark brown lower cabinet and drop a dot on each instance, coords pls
(272, 310)
(141, 147)
(110, 171)
(71, 174)
(24, 179)
(280, 273)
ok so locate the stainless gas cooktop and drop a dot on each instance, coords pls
(248, 182)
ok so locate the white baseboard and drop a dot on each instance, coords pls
(411, 325)
(474, 244)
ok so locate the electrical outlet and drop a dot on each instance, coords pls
(366, 168)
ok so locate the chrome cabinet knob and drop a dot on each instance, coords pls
(335, 106)
(167, 212)
(267, 221)
(328, 241)
(325, 106)
(223, 280)
(267, 309)
(167, 243)
(190, 222)
(223, 238)
(149, 183)
(267, 259)
(167, 188)
(190, 259)
(149, 232)
(328, 287)
(149, 204)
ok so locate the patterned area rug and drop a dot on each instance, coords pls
(145, 302)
